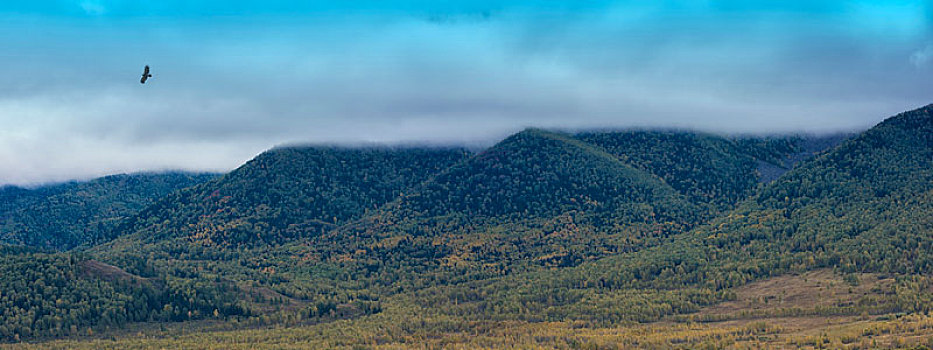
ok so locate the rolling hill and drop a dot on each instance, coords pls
(289, 193)
(48, 295)
(711, 171)
(537, 198)
(708, 170)
(64, 216)
(862, 207)
(543, 236)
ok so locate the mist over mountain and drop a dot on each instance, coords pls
(591, 229)
(231, 79)
(466, 174)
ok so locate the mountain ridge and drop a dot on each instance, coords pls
(542, 227)
(66, 215)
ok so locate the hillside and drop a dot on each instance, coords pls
(47, 295)
(244, 226)
(294, 191)
(778, 155)
(537, 198)
(864, 206)
(711, 171)
(536, 173)
(64, 216)
(289, 193)
(561, 240)
(708, 170)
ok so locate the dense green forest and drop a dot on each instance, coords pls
(64, 216)
(534, 196)
(863, 207)
(61, 294)
(289, 193)
(708, 170)
(595, 229)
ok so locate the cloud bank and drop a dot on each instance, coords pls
(231, 79)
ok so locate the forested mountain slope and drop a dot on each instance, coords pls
(777, 155)
(536, 197)
(593, 229)
(67, 215)
(712, 171)
(289, 193)
(537, 173)
(46, 295)
(865, 206)
(286, 193)
(707, 169)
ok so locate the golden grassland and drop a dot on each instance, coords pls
(754, 320)
(907, 331)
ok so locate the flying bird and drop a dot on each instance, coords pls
(146, 75)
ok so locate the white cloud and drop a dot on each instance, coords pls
(71, 105)
(923, 57)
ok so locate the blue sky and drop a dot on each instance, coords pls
(233, 78)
